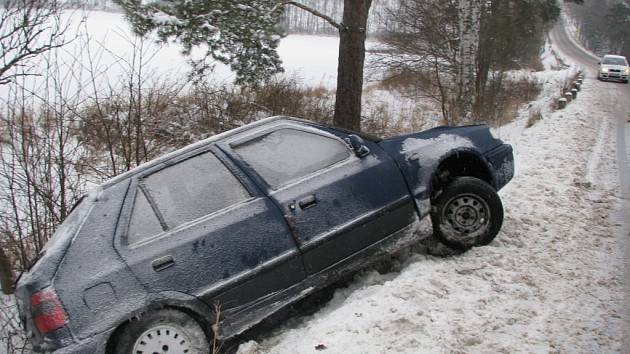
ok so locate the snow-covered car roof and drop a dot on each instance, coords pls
(614, 56)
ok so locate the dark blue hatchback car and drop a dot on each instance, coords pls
(207, 241)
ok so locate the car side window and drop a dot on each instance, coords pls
(287, 154)
(184, 192)
(144, 223)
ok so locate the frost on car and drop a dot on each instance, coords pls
(246, 222)
(613, 67)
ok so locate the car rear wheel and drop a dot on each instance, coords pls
(165, 331)
(468, 213)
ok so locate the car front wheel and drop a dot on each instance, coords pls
(165, 331)
(468, 213)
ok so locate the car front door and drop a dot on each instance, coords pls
(193, 226)
(334, 202)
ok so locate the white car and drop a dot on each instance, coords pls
(613, 67)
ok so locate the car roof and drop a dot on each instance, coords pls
(222, 136)
(614, 56)
(215, 138)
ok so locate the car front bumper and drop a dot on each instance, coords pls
(502, 160)
(610, 75)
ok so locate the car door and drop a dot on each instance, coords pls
(335, 203)
(193, 226)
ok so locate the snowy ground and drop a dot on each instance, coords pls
(552, 282)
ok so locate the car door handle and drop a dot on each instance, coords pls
(162, 263)
(307, 202)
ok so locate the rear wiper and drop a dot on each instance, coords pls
(17, 279)
(30, 266)
(37, 258)
(76, 204)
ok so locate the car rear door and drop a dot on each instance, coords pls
(334, 202)
(196, 225)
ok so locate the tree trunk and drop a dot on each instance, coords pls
(469, 27)
(352, 36)
(6, 273)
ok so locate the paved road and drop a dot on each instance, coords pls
(620, 107)
(619, 103)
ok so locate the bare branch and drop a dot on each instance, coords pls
(314, 12)
(28, 28)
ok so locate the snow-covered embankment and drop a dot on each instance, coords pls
(550, 283)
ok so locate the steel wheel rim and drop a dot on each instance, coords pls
(163, 339)
(467, 214)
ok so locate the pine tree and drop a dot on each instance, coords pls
(244, 34)
(241, 34)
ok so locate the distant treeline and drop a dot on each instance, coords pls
(603, 25)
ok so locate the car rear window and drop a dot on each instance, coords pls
(186, 191)
(287, 154)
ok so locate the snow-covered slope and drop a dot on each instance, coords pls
(550, 283)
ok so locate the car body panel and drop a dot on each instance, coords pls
(255, 312)
(419, 155)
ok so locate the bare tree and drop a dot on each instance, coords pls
(424, 47)
(458, 50)
(469, 29)
(28, 28)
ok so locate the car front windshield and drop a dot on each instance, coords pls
(615, 61)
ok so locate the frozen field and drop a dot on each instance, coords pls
(105, 46)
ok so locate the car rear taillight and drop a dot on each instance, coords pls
(48, 314)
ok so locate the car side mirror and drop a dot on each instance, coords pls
(358, 145)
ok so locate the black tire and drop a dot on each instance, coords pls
(165, 331)
(468, 213)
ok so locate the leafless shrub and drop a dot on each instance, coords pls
(28, 28)
(534, 117)
(424, 49)
(12, 338)
(39, 184)
(216, 343)
(37, 175)
(381, 119)
(286, 96)
(504, 96)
